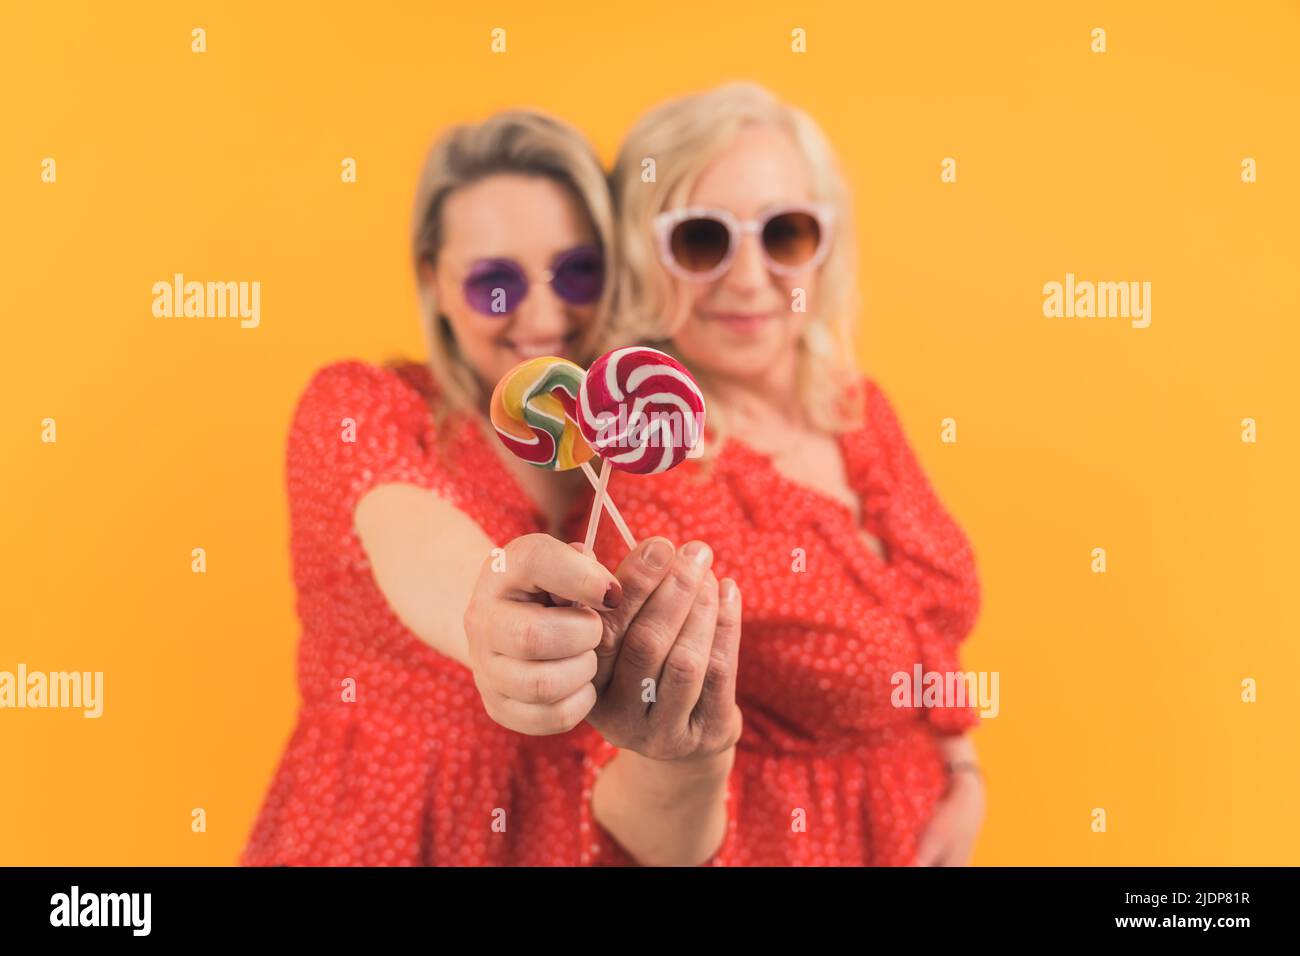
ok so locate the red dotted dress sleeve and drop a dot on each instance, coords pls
(353, 782)
(356, 426)
(930, 552)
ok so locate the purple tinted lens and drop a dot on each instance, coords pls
(495, 287)
(578, 275)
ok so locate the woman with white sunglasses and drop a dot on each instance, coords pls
(737, 257)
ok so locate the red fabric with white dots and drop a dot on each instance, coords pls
(414, 772)
(827, 771)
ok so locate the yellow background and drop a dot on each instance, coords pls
(1119, 691)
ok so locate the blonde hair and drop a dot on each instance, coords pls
(519, 142)
(682, 137)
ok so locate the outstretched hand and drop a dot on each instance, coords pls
(665, 676)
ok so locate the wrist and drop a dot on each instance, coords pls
(664, 812)
(964, 776)
(670, 778)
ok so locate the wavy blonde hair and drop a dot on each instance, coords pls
(683, 136)
(518, 142)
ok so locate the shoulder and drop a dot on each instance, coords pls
(359, 387)
(876, 404)
(357, 415)
(415, 375)
(878, 454)
(359, 424)
(396, 376)
(881, 426)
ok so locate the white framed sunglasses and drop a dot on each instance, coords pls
(698, 243)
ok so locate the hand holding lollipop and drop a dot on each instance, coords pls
(641, 411)
(533, 411)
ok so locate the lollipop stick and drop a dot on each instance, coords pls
(612, 508)
(596, 507)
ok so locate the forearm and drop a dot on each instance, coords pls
(960, 749)
(425, 555)
(957, 748)
(664, 813)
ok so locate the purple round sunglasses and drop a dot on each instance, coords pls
(497, 287)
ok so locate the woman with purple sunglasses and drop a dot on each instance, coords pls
(451, 645)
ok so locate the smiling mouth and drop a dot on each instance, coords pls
(535, 348)
(741, 321)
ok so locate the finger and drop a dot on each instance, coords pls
(541, 720)
(539, 682)
(639, 574)
(717, 702)
(687, 662)
(651, 634)
(539, 564)
(534, 632)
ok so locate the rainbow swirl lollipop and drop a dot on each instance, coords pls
(640, 410)
(533, 412)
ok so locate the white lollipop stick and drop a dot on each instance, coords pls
(596, 507)
(612, 508)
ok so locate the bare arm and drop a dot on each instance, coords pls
(663, 813)
(484, 607)
(425, 554)
(663, 795)
(958, 748)
(427, 557)
(949, 840)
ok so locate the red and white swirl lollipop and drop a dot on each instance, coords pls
(641, 411)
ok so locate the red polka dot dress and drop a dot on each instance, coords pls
(393, 760)
(828, 771)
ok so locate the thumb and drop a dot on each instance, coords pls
(540, 563)
(607, 649)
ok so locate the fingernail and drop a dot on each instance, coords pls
(727, 590)
(699, 552)
(613, 594)
(658, 553)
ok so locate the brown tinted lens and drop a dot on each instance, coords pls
(792, 238)
(698, 245)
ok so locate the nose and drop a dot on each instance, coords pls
(748, 272)
(542, 314)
